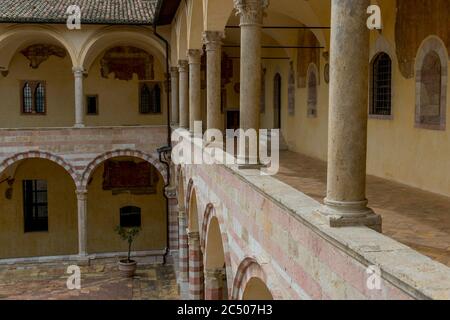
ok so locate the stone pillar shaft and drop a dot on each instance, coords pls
(82, 222)
(183, 253)
(251, 18)
(184, 94)
(195, 111)
(213, 42)
(79, 97)
(196, 278)
(346, 202)
(214, 284)
(175, 95)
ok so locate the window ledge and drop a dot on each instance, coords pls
(437, 127)
(381, 117)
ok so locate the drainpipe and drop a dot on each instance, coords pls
(166, 150)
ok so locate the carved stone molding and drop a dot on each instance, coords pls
(39, 53)
(251, 12)
(194, 56)
(183, 66)
(213, 40)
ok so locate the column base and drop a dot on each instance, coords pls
(348, 214)
(79, 125)
(83, 259)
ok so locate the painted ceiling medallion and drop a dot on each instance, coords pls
(39, 53)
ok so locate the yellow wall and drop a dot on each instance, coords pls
(104, 216)
(61, 238)
(118, 99)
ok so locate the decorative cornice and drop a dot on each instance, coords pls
(213, 40)
(183, 66)
(194, 56)
(251, 11)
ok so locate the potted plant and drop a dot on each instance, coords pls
(127, 267)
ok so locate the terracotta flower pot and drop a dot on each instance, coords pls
(127, 268)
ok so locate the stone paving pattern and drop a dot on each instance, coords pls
(99, 281)
(416, 218)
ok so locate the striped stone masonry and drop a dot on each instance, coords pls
(272, 232)
(173, 218)
(183, 251)
(196, 277)
(214, 284)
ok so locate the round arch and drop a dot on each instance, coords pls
(247, 272)
(180, 189)
(181, 33)
(194, 25)
(40, 155)
(120, 153)
(20, 36)
(110, 37)
(192, 210)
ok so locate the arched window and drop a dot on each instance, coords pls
(156, 99)
(277, 101)
(27, 99)
(312, 91)
(145, 99)
(431, 84)
(130, 217)
(40, 98)
(381, 83)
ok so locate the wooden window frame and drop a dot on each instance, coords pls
(33, 85)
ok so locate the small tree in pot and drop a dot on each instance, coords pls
(127, 266)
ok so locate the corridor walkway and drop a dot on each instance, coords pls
(416, 218)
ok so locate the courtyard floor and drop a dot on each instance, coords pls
(419, 219)
(99, 281)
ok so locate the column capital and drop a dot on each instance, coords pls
(171, 192)
(194, 56)
(183, 66)
(251, 11)
(215, 274)
(193, 236)
(174, 72)
(81, 194)
(213, 40)
(78, 71)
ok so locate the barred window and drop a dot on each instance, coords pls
(35, 205)
(149, 98)
(33, 97)
(40, 98)
(381, 85)
(27, 100)
(130, 217)
(145, 99)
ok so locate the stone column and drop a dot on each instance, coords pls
(184, 94)
(196, 278)
(251, 18)
(175, 94)
(346, 202)
(82, 222)
(78, 73)
(173, 218)
(213, 42)
(183, 251)
(195, 111)
(214, 284)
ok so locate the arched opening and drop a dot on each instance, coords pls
(277, 101)
(38, 210)
(216, 287)
(256, 289)
(126, 191)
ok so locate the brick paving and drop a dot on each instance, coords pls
(99, 281)
(411, 216)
